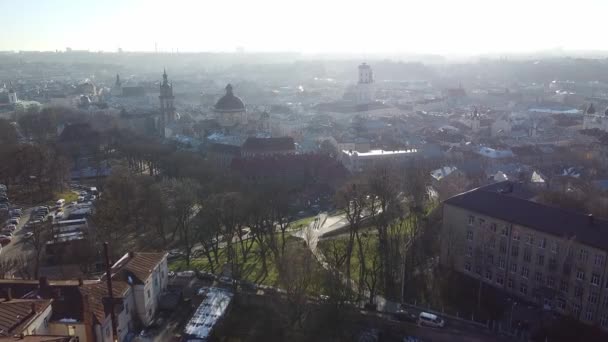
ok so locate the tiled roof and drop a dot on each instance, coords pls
(489, 201)
(96, 294)
(140, 265)
(38, 338)
(269, 144)
(16, 314)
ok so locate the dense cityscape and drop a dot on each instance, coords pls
(162, 195)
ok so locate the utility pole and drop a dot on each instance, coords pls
(110, 294)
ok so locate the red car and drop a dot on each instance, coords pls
(5, 240)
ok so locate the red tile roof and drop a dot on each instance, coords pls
(16, 314)
(140, 265)
(96, 294)
(38, 338)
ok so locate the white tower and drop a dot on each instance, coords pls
(365, 86)
(475, 122)
(12, 95)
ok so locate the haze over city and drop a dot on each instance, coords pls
(206, 171)
(387, 26)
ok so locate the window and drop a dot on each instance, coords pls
(471, 219)
(542, 243)
(576, 308)
(489, 275)
(551, 282)
(605, 302)
(592, 298)
(604, 320)
(580, 274)
(126, 307)
(599, 259)
(493, 227)
(492, 242)
(516, 236)
(148, 294)
(490, 259)
(583, 255)
(510, 283)
(563, 286)
(501, 262)
(514, 251)
(529, 239)
(527, 255)
(588, 315)
(552, 264)
(469, 251)
(478, 270)
(467, 266)
(578, 291)
(540, 259)
(504, 231)
(523, 288)
(525, 271)
(513, 267)
(538, 277)
(500, 280)
(470, 235)
(108, 332)
(554, 247)
(503, 247)
(561, 304)
(482, 222)
(595, 279)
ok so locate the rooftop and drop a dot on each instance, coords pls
(379, 152)
(496, 201)
(17, 314)
(213, 307)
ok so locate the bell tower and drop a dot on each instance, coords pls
(167, 111)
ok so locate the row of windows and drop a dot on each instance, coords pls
(583, 254)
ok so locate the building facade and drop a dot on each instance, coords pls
(544, 255)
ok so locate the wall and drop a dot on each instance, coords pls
(78, 329)
(40, 326)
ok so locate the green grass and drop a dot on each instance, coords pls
(68, 195)
(303, 222)
(252, 268)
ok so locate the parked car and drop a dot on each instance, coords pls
(28, 235)
(430, 320)
(7, 232)
(14, 220)
(11, 227)
(404, 316)
(5, 240)
(227, 280)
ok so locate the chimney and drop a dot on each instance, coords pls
(591, 219)
(9, 294)
(131, 254)
(33, 307)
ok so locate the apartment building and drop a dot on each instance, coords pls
(546, 255)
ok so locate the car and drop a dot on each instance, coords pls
(14, 220)
(404, 316)
(186, 274)
(28, 235)
(226, 280)
(5, 240)
(411, 339)
(205, 275)
(171, 274)
(6, 232)
(431, 320)
(15, 214)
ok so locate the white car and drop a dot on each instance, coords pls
(430, 320)
(28, 235)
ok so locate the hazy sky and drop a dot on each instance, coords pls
(311, 26)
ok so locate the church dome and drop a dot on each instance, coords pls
(229, 103)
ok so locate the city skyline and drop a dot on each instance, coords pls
(441, 27)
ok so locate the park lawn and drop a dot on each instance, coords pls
(252, 269)
(302, 223)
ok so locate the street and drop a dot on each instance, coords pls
(18, 246)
